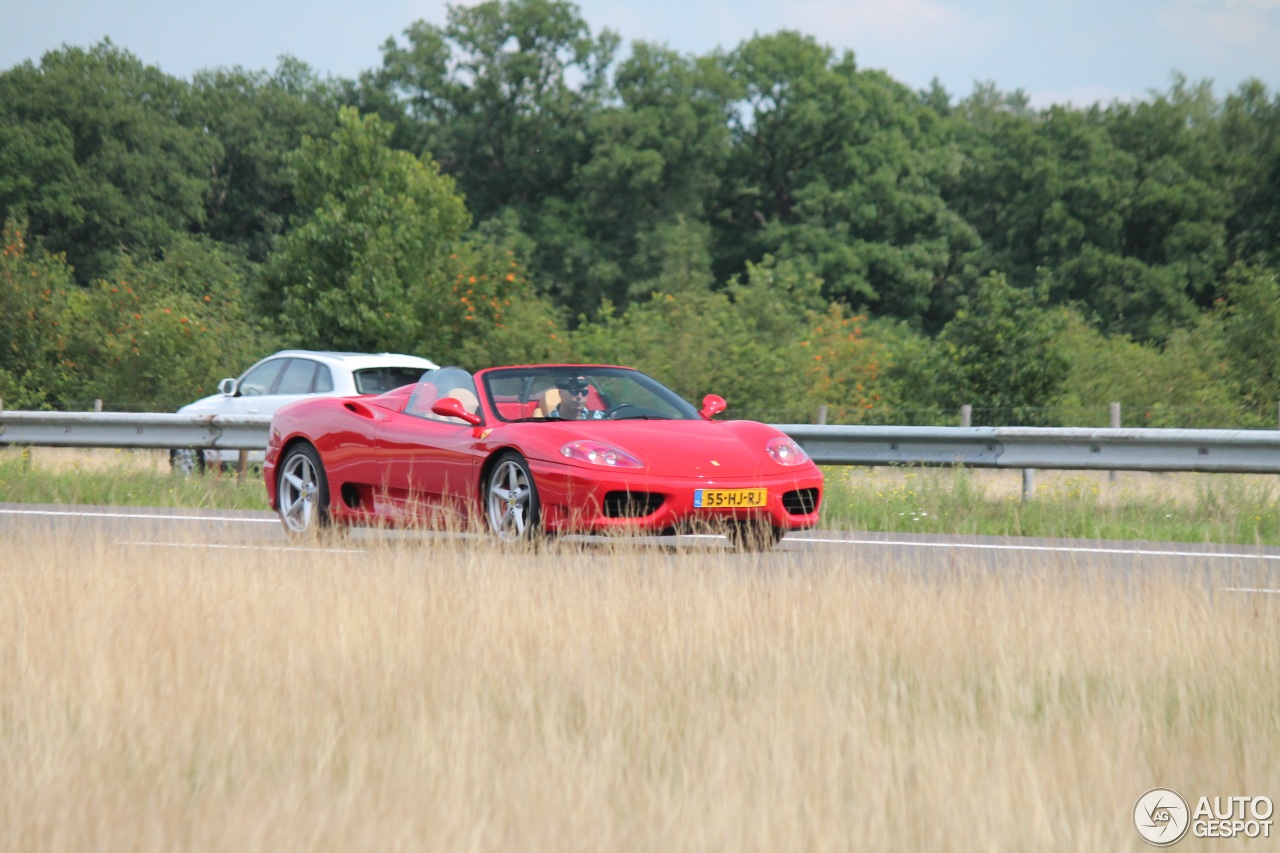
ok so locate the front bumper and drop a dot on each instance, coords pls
(584, 500)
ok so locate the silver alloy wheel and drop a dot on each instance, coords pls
(299, 496)
(511, 500)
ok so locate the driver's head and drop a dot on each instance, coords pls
(573, 394)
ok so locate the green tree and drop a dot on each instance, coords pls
(1181, 383)
(1250, 319)
(363, 267)
(1122, 210)
(258, 118)
(1002, 353)
(768, 344)
(654, 168)
(153, 335)
(838, 168)
(93, 153)
(493, 95)
(1249, 134)
(505, 321)
(37, 295)
(159, 333)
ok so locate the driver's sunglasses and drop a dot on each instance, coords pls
(579, 392)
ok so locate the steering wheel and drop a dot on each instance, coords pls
(612, 411)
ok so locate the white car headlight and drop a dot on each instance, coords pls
(784, 451)
(598, 453)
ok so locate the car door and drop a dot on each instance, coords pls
(294, 379)
(425, 464)
(252, 387)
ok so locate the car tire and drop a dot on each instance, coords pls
(511, 503)
(186, 460)
(302, 492)
(754, 535)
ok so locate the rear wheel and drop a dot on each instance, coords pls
(754, 535)
(303, 491)
(511, 499)
(187, 460)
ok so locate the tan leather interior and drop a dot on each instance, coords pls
(547, 403)
(466, 398)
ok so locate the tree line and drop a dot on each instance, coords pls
(772, 223)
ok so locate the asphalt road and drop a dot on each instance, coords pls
(1236, 569)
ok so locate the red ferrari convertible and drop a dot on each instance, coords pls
(538, 449)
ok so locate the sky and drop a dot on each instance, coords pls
(1057, 51)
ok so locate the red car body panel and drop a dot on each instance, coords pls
(387, 467)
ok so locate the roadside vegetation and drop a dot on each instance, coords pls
(1204, 508)
(1220, 508)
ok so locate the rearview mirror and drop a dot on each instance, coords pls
(227, 387)
(451, 407)
(712, 405)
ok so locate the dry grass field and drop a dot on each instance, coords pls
(402, 695)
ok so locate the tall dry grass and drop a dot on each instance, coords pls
(400, 695)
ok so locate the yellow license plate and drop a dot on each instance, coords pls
(729, 498)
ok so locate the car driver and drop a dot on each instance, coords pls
(573, 400)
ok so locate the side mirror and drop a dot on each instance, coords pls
(451, 407)
(712, 405)
(227, 387)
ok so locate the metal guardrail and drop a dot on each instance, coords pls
(124, 429)
(1207, 450)
(1055, 448)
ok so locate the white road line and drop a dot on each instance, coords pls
(973, 546)
(1264, 590)
(144, 515)
(1057, 549)
(238, 547)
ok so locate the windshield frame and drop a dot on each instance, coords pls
(535, 379)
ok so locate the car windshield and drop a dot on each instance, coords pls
(557, 393)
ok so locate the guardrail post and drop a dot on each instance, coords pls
(97, 406)
(822, 414)
(966, 415)
(1028, 483)
(242, 465)
(1115, 424)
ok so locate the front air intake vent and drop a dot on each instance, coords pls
(800, 501)
(631, 504)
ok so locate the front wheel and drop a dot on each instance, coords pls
(302, 494)
(511, 499)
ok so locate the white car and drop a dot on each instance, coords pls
(295, 375)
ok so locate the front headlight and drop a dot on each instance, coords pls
(784, 451)
(598, 453)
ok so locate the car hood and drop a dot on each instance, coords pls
(713, 449)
